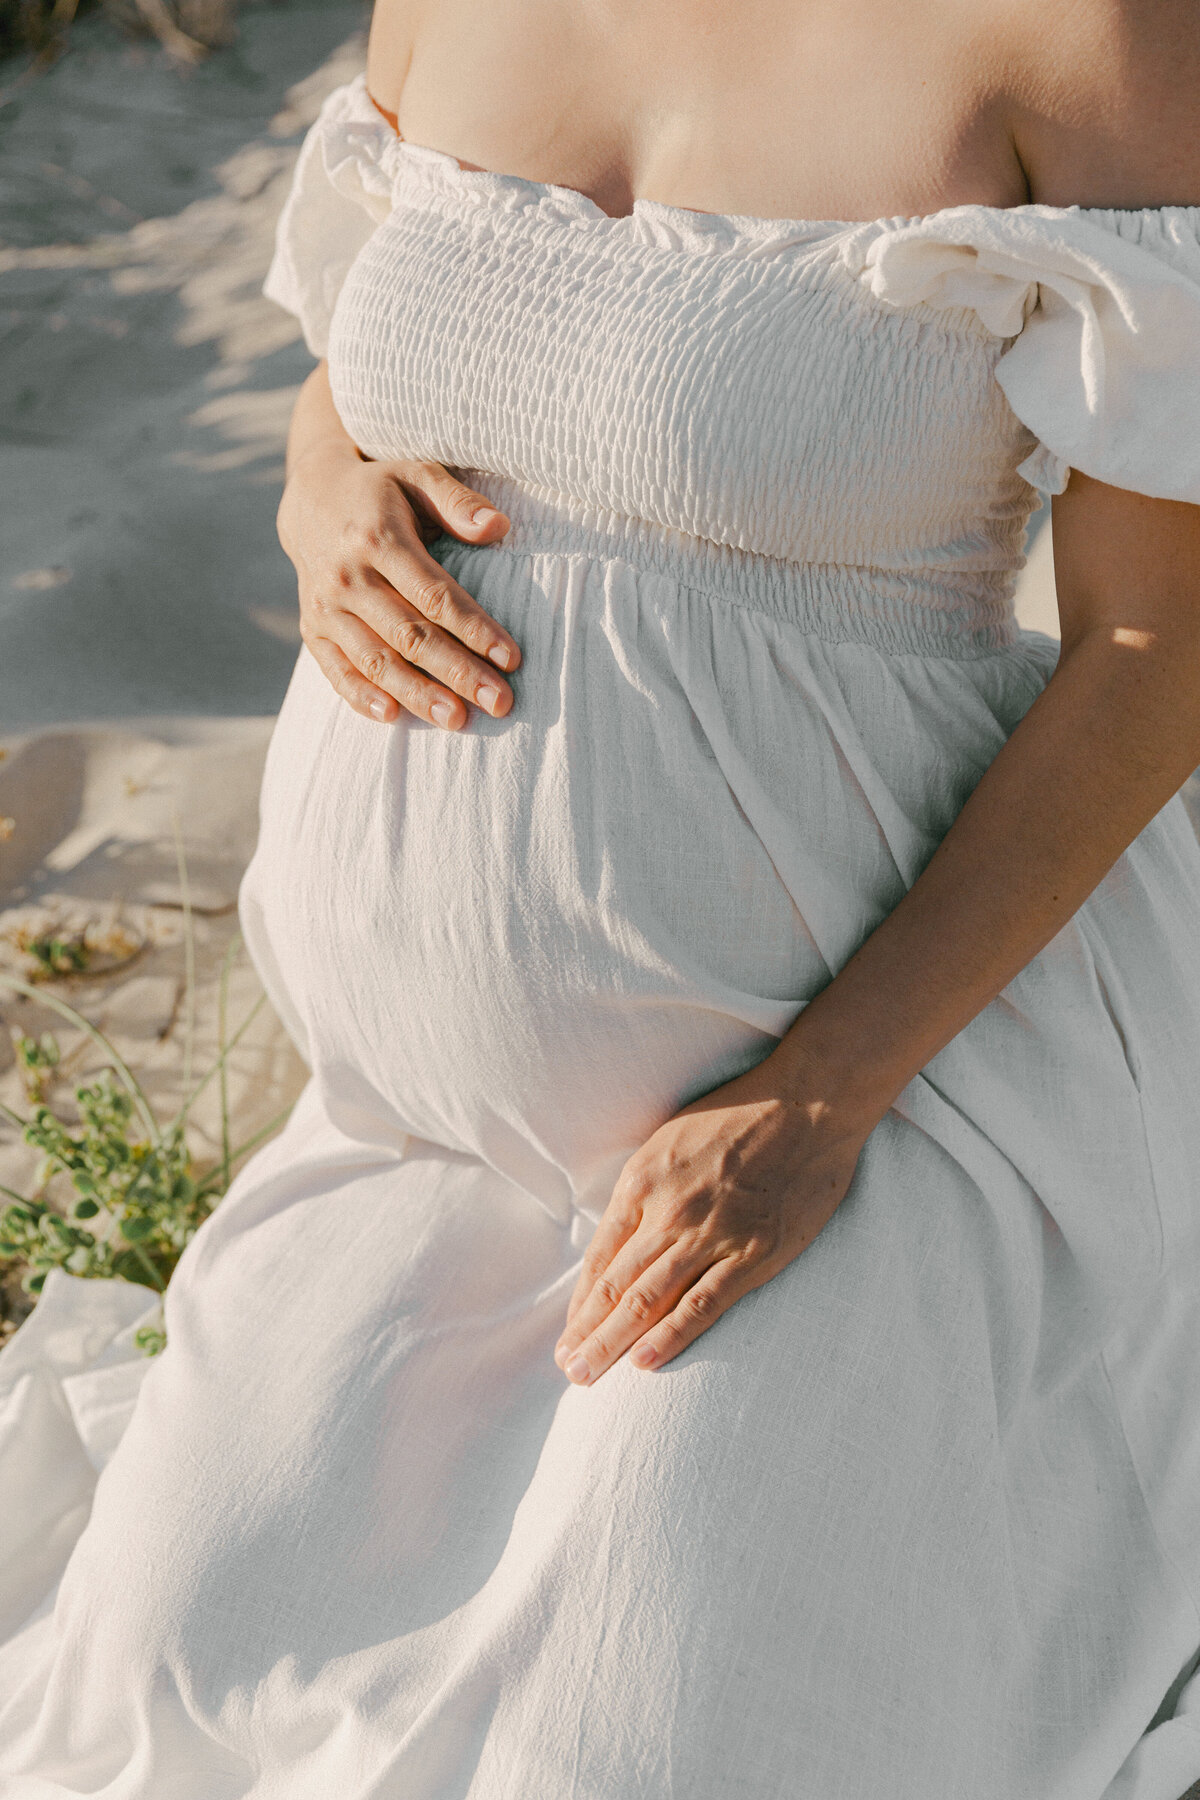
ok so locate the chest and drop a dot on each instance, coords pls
(720, 377)
(781, 108)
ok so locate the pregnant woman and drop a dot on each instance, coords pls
(723, 1319)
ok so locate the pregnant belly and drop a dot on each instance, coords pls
(534, 939)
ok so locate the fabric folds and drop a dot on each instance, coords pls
(340, 192)
(1105, 311)
(1104, 305)
(915, 1518)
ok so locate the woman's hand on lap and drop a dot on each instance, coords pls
(389, 627)
(722, 1197)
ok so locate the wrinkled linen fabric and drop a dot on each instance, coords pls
(918, 1517)
(68, 1383)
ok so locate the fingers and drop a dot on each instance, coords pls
(443, 502)
(399, 635)
(664, 1307)
(410, 690)
(408, 568)
(639, 1286)
(618, 1224)
(697, 1309)
(370, 590)
(345, 680)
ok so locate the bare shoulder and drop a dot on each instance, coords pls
(394, 27)
(1104, 100)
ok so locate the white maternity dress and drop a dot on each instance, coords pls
(918, 1519)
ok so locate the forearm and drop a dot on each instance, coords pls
(1115, 733)
(315, 423)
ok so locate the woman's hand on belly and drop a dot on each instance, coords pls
(722, 1197)
(730, 1190)
(389, 627)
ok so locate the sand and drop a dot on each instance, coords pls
(93, 848)
(145, 383)
(148, 622)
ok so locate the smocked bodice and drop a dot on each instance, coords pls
(759, 401)
(696, 388)
(916, 1517)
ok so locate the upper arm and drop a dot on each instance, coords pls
(1125, 562)
(1104, 101)
(1105, 115)
(390, 49)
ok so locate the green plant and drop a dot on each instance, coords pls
(59, 955)
(138, 1202)
(59, 952)
(139, 1198)
(36, 1058)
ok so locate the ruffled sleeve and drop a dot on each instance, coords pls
(1104, 312)
(341, 191)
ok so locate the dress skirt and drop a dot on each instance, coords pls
(916, 1516)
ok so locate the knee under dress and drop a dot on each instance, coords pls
(921, 1516)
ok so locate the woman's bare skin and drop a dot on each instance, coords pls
(787, 108)
(817, 109)
(814, 109)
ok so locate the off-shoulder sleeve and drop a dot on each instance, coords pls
(341, 191)
(1104, 312)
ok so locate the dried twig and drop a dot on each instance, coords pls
(175, 42)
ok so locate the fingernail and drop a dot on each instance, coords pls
(576, 1369)
(500, 655)
(442, 712)
(483, 515)
(487, 695)
(560, 1354)
(378, 709)
(643, 1355)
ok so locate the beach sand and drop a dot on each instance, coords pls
(145, 384)
(94, 848)
(148, 622)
